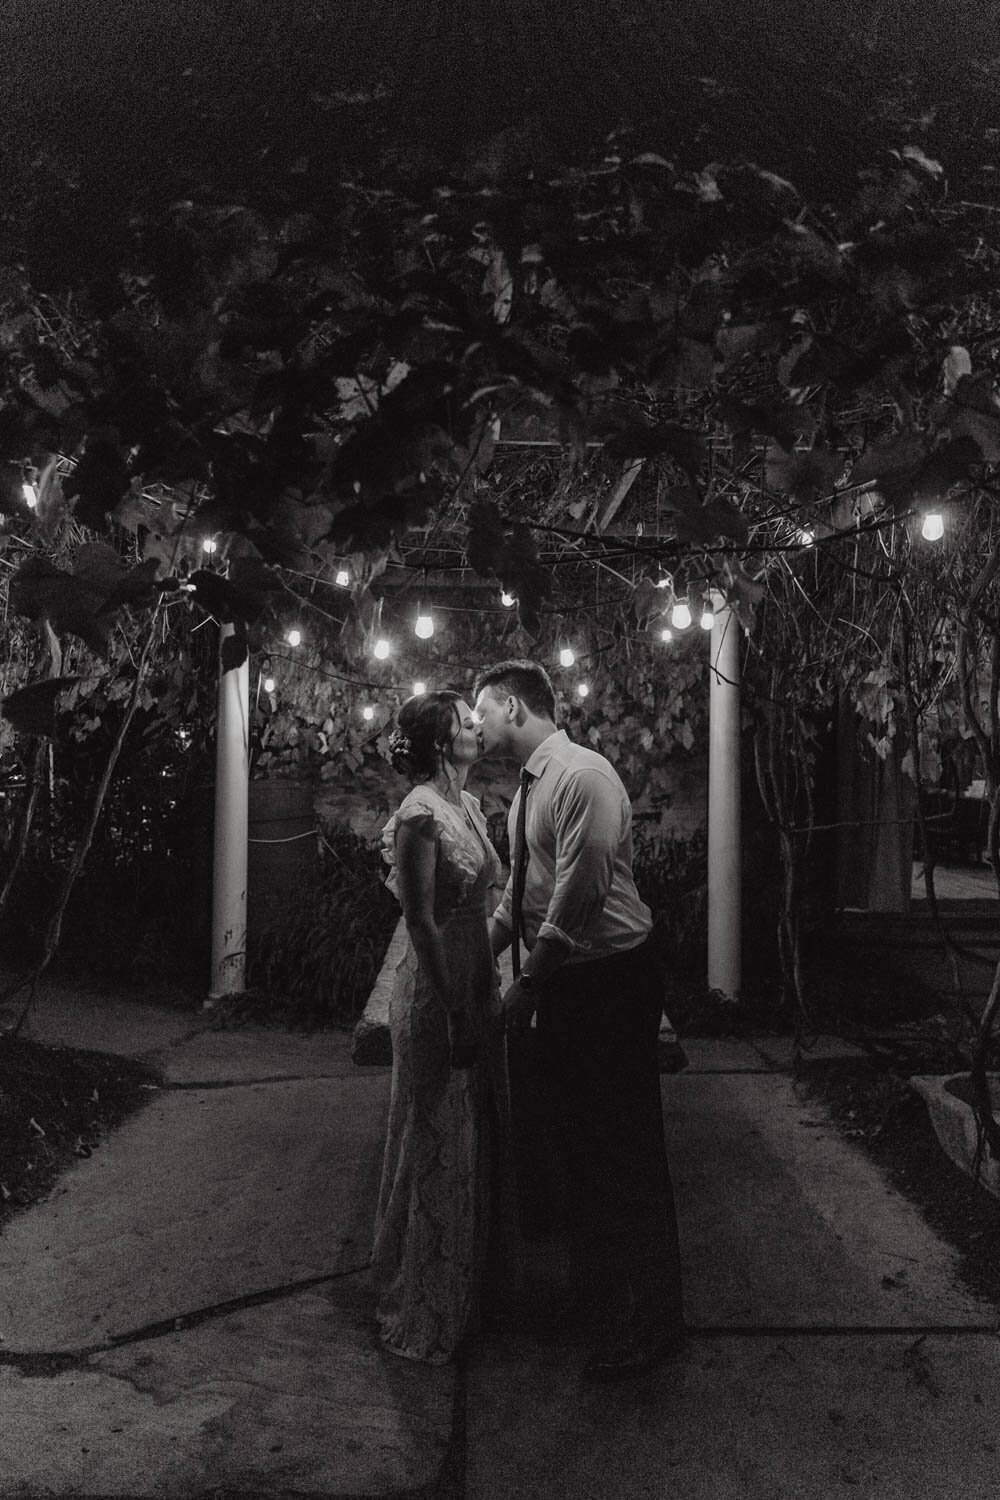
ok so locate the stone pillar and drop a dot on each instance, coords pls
(229, 862)
(725, 845)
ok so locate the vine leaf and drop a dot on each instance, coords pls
(100, 480)
(686, 448)
(891, 460)
(946, 467)
(647, 600)
(234, 649)
(32, 709)
(743, 593)
(974, 411)
(41, 591)
(486, 538)
(511, 556)
(803, 476)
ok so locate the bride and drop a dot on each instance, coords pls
(430, 1224)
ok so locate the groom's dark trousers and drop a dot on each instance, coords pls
(596, 1048)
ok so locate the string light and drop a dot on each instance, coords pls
(666, 634)
(680, 615)
(294, 638)
(381, 649)
(507, 600)
(424, 627)
(29, 494)
(582, 689)
(419, 689)
(368, 712)
(269, 684)
(343, 578)
(933, 527)
(566, 657)
(707, 617)
(209, 544)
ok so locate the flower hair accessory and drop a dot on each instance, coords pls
(400, 743)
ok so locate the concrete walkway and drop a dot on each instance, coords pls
(188, 1313)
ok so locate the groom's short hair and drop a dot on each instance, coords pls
(521, 679)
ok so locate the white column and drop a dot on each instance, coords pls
(725, 845)
(229, 863)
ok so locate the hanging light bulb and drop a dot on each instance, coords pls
(582, 689)
(933, 528)
(680, 615)
(343, 578)
(707, 618)
(368, 712)
(29, 494)
(666, 634)
(424, 627)
(209, 544)
(294, 638)
(381, 649)
(269, 684)
(566, 657)
(507, 600)
(419, 689)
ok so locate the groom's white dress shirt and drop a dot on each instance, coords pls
(579, 887)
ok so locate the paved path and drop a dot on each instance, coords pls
(185, 1315)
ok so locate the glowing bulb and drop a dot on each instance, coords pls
(664, 581)
(294, 638)
(582, 689)
(424, 627)
(368, 712)
(343, 578)
(269, 684)
(680, 615)
(806, 538)
(209, 545)
(666, 634)
(419, 689)
(507, 600)
(707, 619)
(381, 649)
(566, 657)
(933, 527)
(30, 494)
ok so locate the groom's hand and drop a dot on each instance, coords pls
(518, 1008)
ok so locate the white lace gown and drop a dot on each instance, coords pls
(433, 1200)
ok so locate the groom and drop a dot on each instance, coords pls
(590, 980)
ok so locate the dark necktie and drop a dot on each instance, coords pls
(520, 865)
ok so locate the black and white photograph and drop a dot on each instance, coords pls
(499, 750)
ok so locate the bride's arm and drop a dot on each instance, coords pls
(415, 859)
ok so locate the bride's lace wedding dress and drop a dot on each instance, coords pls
(431, 1218)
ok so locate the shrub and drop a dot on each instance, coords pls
(316, 961)
(145, 926)
(672, 878)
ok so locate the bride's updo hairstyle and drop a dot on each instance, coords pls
(425, 730)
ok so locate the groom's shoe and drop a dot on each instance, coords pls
(632, 1354)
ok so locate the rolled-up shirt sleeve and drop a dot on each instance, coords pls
(502, 914)
(589, 817)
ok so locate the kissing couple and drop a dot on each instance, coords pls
(585, 1003)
